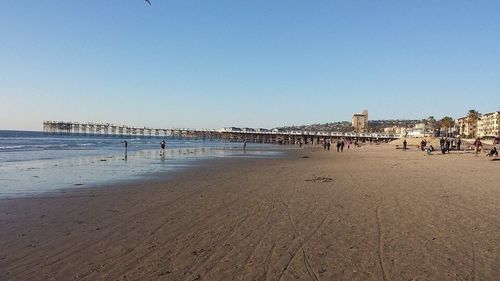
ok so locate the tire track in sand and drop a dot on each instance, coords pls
(195, 267)
(264, 235)
(380, 250)
(307, 263)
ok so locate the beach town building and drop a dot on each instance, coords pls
(488, 125)
(395, 130)
(462, 126)
(230, 129)
(466, 127)
(360, 122)
(419, 130)
(390, 130)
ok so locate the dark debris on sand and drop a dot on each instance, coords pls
(320, 179)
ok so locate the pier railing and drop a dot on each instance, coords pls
(230, 134)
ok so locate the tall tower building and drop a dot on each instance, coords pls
(360, 121)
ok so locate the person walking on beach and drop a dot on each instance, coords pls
(459, 142)
(443, 146)
(447, 145)
(162, 147)
(342, 143)
(478, 145)
(404, 145)
(328, 146)
(441, 143)
(422, 145)
(244, 145)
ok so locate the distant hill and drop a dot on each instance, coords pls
(379, 125)
(345, 126)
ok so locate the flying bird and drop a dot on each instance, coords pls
(148, 2)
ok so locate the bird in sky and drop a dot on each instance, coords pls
(148, 2)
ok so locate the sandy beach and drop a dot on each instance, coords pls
(370, 213)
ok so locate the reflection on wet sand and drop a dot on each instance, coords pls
(37, 176)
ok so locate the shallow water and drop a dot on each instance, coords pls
(33, 163)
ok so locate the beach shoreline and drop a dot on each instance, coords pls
(369, 213)
(25, 178)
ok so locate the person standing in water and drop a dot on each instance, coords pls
(244, 145)
(125, 145)
(162, 147)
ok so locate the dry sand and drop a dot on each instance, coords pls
(373, 213)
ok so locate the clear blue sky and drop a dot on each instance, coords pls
(256, 63)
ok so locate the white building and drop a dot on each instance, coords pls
(489, 125)
(230, 129)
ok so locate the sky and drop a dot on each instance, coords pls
(247, 63)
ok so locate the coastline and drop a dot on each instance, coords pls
(365, 214)
(53, 175)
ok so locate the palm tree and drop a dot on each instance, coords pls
(472, 118)
(448, 123)
(431, 121)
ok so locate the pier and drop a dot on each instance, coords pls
(232, 134)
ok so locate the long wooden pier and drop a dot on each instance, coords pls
(232, 134)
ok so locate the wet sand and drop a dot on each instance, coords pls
(372, 213)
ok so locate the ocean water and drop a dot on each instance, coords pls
(34, 162)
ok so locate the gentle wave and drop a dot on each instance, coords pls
(12, 147)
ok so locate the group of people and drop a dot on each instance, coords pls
(478, 146)
(427, 148)
(340, 145)
(447, 144)
(423, 146)
(326, 145)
